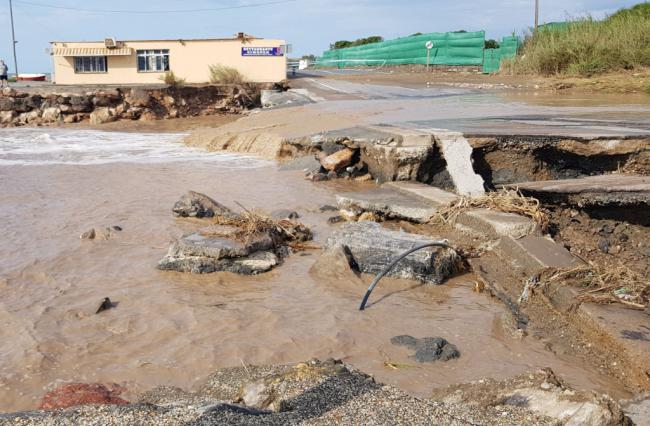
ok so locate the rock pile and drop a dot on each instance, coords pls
(344, 163)
(106, 105)
(245, 243)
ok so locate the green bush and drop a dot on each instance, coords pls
(221, 74)
(170, 79)
(342, 44)
(586, 47)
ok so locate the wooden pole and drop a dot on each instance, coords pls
(13, 36)
(536, 14)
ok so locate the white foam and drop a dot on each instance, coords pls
(88, 147)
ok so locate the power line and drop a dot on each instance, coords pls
(153, 11)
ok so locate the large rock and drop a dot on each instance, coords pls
(195, 204)
(7, 117)
(221, 248)
(339, 160)
(80, 103)
(138, 97)
(7, 104)
(428, 349)
(51, 115)
(102, 115)
(372, 248)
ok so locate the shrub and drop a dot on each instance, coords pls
(221, 74)
(170, 79)
(585, 47)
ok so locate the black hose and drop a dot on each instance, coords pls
(392, 265)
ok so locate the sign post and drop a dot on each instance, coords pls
(429, 46)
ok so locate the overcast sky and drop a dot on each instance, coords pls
(309, 25)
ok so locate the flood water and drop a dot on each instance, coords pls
(175, 329)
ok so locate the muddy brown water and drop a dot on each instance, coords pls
(175, 329)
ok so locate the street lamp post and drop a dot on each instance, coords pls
(13, 36)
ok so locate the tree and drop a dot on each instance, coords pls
(491, 44)
(342, 44)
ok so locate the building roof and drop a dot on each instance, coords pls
(248, 37)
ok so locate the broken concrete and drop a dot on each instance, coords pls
(495, 224)
(372, 248)
(532, 254)
(458, 156)
(216, 249)
(541, 392)
(386, 203)
(431, 194)
(604, 190)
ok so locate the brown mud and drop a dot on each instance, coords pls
(170, 328)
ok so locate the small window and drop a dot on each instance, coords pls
(153, 60)
(90, 64)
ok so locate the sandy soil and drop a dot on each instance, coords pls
(636, 81)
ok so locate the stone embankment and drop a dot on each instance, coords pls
(135, 103)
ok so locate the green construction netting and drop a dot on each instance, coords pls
(448, 49)
(493, 57)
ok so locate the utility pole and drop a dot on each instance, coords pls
(536, 14)
(13, 36)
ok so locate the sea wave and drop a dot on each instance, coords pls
(37, 147)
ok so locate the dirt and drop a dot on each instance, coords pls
(629, 82)
(627, 233)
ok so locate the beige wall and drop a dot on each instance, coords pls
(188, 59)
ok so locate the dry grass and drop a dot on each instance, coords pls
(586, 47)
(221, 74)
(250, 224)
(170, 79)
(505, 200)
(606, 284)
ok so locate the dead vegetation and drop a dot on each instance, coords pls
(505, 200)
(251, 223)
(606, 285)
(221, 74)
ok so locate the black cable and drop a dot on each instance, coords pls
(392, 265)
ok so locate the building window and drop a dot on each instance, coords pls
(90, 64)
(153, 60)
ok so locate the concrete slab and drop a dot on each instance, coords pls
(629, 328)
(431, 194)
(591, 191)
(373, 247)
(495, 224)
(388, 203)
(626, 329)
(458, 155)
(532, 254)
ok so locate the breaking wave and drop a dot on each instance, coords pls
(34, 147)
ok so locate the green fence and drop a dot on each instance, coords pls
(466, 49)
(448, 49)
(492, 57)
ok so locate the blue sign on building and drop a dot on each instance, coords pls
(262, 51)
